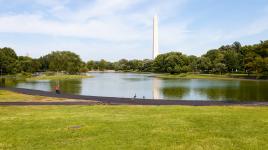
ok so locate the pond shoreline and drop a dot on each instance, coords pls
(238, 77)
(118, 101)
(208, 77)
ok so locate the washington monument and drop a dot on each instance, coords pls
(155, 37)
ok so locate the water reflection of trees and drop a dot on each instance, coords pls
(247, 91)
(213, 93)
(11, 82)
(68, 86)
(175, 92)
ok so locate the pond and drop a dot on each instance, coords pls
(148, 87)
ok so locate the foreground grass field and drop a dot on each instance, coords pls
(133, 127)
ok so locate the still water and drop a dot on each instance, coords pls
(145, 86)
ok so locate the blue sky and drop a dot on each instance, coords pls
(115, 29)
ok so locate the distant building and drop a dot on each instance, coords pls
(155, 37)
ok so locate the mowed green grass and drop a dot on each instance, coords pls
(58, 77)
(8, 96)
(205, 76)
(133, 127)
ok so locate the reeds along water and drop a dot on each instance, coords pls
(2, 82)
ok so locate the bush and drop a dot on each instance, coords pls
(83, 70)
(50, 73)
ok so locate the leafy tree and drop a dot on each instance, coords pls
(204, 64)
(147, 65)
(259, 64)
(8, 61)
(170, 62)
(90, 65)
(219, 67)
(103, 65)
(64, 61)
(193, 63)
(237, 46)
(44, 63)
(232, 60)
(27, 64)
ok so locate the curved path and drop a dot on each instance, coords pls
(92, 100)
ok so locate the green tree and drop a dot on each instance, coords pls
(65, 61)
(90, 65)
(27, 64)
(204, 64)
(170, 62)
(103, 65)
(232, 60)
(8, 61)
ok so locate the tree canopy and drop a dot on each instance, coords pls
(233, 58)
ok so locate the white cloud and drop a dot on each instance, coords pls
(96, 29)
(120, 28)
(99, 20)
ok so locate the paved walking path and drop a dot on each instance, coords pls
(93, 100)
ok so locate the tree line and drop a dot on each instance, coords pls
(232, 58)
(58, 61)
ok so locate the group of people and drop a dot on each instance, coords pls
(135, 96)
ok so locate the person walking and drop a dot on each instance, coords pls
(57, 88)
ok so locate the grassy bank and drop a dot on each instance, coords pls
(46, 76)
(133, 127)
(208, 76)
(58, 77)
(7, 96)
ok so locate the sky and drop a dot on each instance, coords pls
(116, 29)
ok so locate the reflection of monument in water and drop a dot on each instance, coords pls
(156, 88)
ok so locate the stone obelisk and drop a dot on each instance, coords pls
(155, 37)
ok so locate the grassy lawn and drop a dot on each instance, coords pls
(7, 96)
(58, 77)
(133, 127)
(129, 127)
